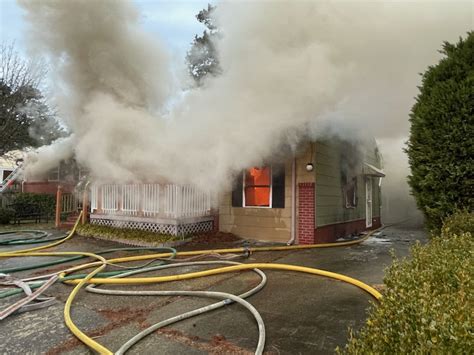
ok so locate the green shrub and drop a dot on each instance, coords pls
(111, 233)
(458, 223)
(427, 306)
(439, 149)
(6, 215)
(47, 203)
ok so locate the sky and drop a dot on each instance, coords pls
(173, 21)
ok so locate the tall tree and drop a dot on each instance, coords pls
(202, 58)
(441, 145)
(25, 118)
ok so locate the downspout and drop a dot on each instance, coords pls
(293, 202)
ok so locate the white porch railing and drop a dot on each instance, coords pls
(150, 200)
(110, 198)
(68, 203)
(130, 199)
(186, 201)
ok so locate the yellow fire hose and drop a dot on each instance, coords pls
(226, 251)
(223, 270)
(102, 262)
(67, 307)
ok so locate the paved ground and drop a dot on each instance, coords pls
(303, 314)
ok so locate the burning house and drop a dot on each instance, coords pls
(311, 198)
(135, 120)
(329, 190)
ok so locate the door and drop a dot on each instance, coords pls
(368, 202)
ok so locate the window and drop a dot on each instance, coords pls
(82, 173)
(258, 187)
(53, 174)
(6, 173)
(350, 193)
(262, 187)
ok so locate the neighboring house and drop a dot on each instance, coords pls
(9, 166)
(66, 174)
(6, 168)
(330, 190)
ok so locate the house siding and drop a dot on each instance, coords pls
(46, 187)
(329, 199)
(266, 224)
(274, 224)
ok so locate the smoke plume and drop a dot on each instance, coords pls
(289, 69)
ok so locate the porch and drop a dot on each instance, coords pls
(161, 208)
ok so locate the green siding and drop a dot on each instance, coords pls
(330, 207)
(377, 197)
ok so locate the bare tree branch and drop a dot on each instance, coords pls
(25, 118)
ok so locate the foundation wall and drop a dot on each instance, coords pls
(330, 233)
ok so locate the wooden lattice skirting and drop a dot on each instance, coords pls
(162, 228)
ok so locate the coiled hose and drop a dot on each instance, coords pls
(228, 298)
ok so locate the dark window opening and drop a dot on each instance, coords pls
(350, 193)
(6, 173)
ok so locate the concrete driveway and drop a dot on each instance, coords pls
(303, 314)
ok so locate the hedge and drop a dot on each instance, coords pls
(6, 215)
(47, 203)
(458, 223)
(428, 303)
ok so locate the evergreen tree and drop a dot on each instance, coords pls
(202, 58)
(441, 144)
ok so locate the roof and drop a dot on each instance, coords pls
(371, 170)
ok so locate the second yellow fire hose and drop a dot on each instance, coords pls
(269, 266)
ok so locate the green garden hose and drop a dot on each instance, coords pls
(39, 237)
(78, 257)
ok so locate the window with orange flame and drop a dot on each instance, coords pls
(257, 188)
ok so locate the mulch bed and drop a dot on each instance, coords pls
(213, 239)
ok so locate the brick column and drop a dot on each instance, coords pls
(306, 213)
(59, 201)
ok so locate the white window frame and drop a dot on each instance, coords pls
(369, 195)
(82, 173)
(56, 171)
(270, 205)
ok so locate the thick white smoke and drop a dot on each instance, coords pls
(288, 69)
(110, 77)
